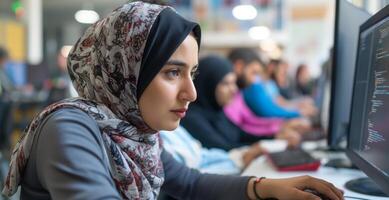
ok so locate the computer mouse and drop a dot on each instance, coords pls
(321, 196)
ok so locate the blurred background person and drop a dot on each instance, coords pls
(6, 85)
(259, 92)
(304, 84)
(186, 149)
(6, 88)
(60, 86)
(279, 75)
(206, 119)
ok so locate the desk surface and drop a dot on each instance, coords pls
(262, 167)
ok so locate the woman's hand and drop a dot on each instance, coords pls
(308, 110)
(301, 125)
(291, 136)
(293, 189)
(253, 152)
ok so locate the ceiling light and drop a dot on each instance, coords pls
(86, 16)
(244, 12)
(259, 32)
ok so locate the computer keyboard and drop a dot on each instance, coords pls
(293, 160)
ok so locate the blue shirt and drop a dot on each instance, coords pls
(262, 104)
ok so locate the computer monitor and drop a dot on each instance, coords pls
(368, 141)
(348, 18)
(37, 74)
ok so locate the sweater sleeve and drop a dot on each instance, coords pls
(71, 163)
(262, 104)
(182, 182)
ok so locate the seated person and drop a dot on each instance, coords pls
(304, 84)
(240, 114)
(6, 88)
(6, 85)
(279, 76)
(205, 118)
(105, 145)
(283, 92)
(258, 91)
(185, 149)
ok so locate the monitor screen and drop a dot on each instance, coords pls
(343, 69)
(37, 74)
(368, 143)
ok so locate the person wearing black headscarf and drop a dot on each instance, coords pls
(111, 66)
(205, 118)
(105, 144)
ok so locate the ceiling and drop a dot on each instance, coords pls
(58, 14)
(69, 4)
(55, 11)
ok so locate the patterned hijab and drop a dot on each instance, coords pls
(110, 66)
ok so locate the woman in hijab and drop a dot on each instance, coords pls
(133, 71)
(208, 123)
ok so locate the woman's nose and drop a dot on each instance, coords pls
(188, 92)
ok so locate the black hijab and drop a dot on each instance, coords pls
(205, 119)
(166, 34)
(212, 70)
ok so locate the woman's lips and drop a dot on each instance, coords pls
(180, 112)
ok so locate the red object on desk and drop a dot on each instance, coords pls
(293, 160)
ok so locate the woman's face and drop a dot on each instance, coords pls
(226, 89)
(166, 99)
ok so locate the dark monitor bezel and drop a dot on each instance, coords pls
(334, 142)
(375, 174)
(330, 136)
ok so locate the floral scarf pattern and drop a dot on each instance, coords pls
(104, 66)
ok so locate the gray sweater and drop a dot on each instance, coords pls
(68, 162)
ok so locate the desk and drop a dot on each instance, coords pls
(261, 167)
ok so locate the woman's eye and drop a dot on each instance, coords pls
(173, 73)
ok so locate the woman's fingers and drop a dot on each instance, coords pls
(337, 191)
(324, 188)
(306, 195)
